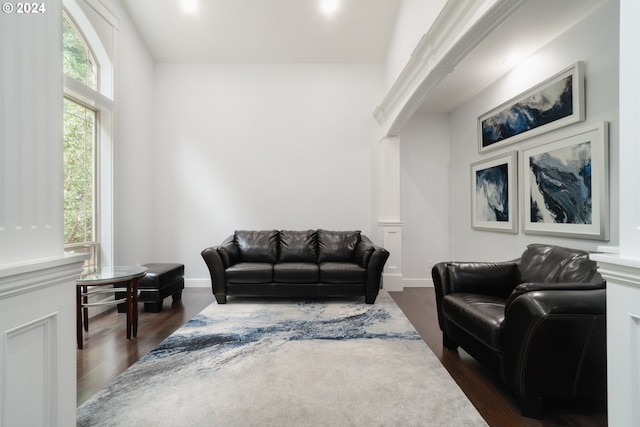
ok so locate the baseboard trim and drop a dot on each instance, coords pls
(197, 283)
(417, 283)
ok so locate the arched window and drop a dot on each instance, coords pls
(87, 142)
(78, 61)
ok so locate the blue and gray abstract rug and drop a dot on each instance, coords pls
(334, 362)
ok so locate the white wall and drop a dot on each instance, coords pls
(264, 146)
(594, 41)
(134, 167)
(424, 195)
(31, 218)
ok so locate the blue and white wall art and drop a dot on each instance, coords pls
(566, 185)
(561, 185)
(553, 103)
(493, 199)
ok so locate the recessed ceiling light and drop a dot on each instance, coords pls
(329, 7)
(189, 6)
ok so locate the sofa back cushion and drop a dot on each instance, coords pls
(337, 246)
(257, 246)
(547, 263)
(298, 246)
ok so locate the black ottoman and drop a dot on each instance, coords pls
(160, 281)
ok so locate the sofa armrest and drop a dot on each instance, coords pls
(375, 266)
(215, 263)
(554, 343)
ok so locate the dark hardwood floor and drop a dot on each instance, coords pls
(107, 353)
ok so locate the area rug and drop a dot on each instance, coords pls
(333, 362)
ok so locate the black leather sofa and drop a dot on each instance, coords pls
(309, 263)
(539, 321)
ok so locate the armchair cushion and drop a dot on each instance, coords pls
(548, 263)
(483, 314)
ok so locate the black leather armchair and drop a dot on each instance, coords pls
(539, 321)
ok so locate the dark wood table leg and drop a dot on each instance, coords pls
(134, 305)
(85, 310)
(79, 315)
(129, 312)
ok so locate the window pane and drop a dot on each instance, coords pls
(79, 173)
(78, 62)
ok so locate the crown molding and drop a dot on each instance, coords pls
(460, 27)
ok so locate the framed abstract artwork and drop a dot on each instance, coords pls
(554, 103)
(565, 185)
(493, 194)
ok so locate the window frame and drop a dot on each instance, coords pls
(99, 101)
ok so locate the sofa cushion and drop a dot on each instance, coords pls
(342, 272)
(298, 246)
(480, 315)
(257, 246)
(296, 272)
(249, 272)
(337, 246)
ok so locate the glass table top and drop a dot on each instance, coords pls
(105, 274)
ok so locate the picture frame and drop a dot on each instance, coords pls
(494, 198)
(556, 102)
(565, 184)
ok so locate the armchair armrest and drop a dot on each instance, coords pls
(523, 288)
(554, 343)
(490, 278)
(497, 279)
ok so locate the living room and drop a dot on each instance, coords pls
(202, 149)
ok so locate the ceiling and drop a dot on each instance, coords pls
(295, 31)
(265, 31)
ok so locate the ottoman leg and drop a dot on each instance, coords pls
(153, 307)
(177, 295)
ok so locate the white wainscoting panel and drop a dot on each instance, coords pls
(37, 343)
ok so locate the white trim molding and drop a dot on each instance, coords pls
(392, 278)
(623, 336)
(459, 28)
(37, 342)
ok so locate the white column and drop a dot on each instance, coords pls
(389, 222)
(621, 267)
